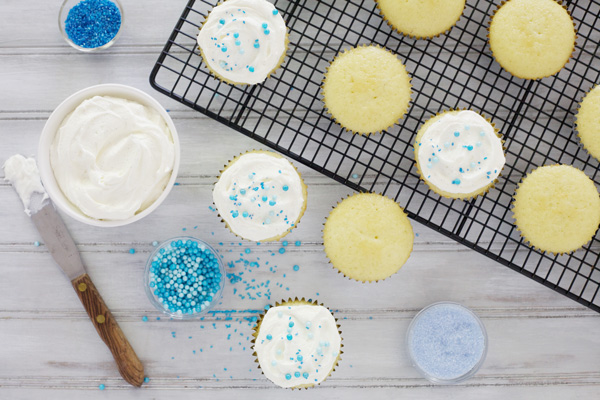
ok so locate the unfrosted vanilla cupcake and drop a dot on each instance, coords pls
(557, 208)
(366, 89)
(243, 41)
(421, 18)
(260, 196)
(368, 237)
(588, 122)
(459, 154)
(532, 39)
(297, 343)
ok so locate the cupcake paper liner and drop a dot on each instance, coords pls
(336, 120)
(297, 301)
(541, 77)
(392, 26)
(340, 271)
(459, 196)
(304, 193)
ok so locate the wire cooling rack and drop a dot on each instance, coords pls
(454, 70)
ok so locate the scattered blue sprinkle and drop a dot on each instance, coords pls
(457, 134)
(101, 386)
(145, 319)
(132, 251)
(296, 268)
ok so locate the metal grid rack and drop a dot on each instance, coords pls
(453, 70)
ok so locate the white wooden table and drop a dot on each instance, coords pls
(541, 345)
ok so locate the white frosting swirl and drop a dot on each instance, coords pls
(24, 175)
(297, 345)
(243, 40)
(112, 157)
(460, 153)
(260, 196)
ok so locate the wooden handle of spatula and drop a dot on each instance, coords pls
(129, 365)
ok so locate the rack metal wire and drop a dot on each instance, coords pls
(454, 70)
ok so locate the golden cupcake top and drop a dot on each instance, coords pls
(421, 18)
(557, 208)
(532, 39)
(588, 122)
(366, 89)
(368, 237)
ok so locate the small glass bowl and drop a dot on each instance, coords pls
(436, 379)
(156, 302)
(67, 5)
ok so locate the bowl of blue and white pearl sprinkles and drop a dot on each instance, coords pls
(91, 25)
(447, 343)
(184, 277)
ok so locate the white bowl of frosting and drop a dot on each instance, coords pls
(109, 155)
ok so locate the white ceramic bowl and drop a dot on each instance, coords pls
(54, 122)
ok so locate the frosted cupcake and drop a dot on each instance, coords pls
(297, 344)
(368, 237)
(459, 154)
(587, 122)
(243, 41)
(557, 208)
(532, 39)
(366, 89)
(260, 196)
(421, 19)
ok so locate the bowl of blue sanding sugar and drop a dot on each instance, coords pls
(184, 277)
(447, 343)
(91, 25)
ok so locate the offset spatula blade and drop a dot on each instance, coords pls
(58, 241)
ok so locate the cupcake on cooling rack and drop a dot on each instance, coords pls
(587, 122)
(366, 89)
(557, 208)
(297, 343)
(243, 41)
(368, 237)
(459, 154)
(421, 19)
(260, 195)
(532, 39)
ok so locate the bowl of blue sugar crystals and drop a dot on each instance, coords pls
(184, 277)
(447, 343)
(91, 25)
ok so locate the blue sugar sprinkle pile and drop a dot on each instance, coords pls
(446, 341)
(93, 23)
(185, 276)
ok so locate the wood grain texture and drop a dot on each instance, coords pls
(128, 363)
(542, 345)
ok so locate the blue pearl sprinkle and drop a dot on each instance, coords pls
(264, 25)
(237, 43)
(256, 45)
(305, 375)
(291, 324)
(185, 276)
(297, 374)
(223, 49)
(269, 337)
(236, 35)
(281, 250)
(235, 213)
(222, 21)
(435, 160)
(284, 243)
(251, 69)
(131, 251)
(296, 268)
(101, 386)
(456, 134)
(267, 31)
(456, 182)
(299, 357)
(285, 188)
(288, 376)
(275, 12)
(289, 336)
